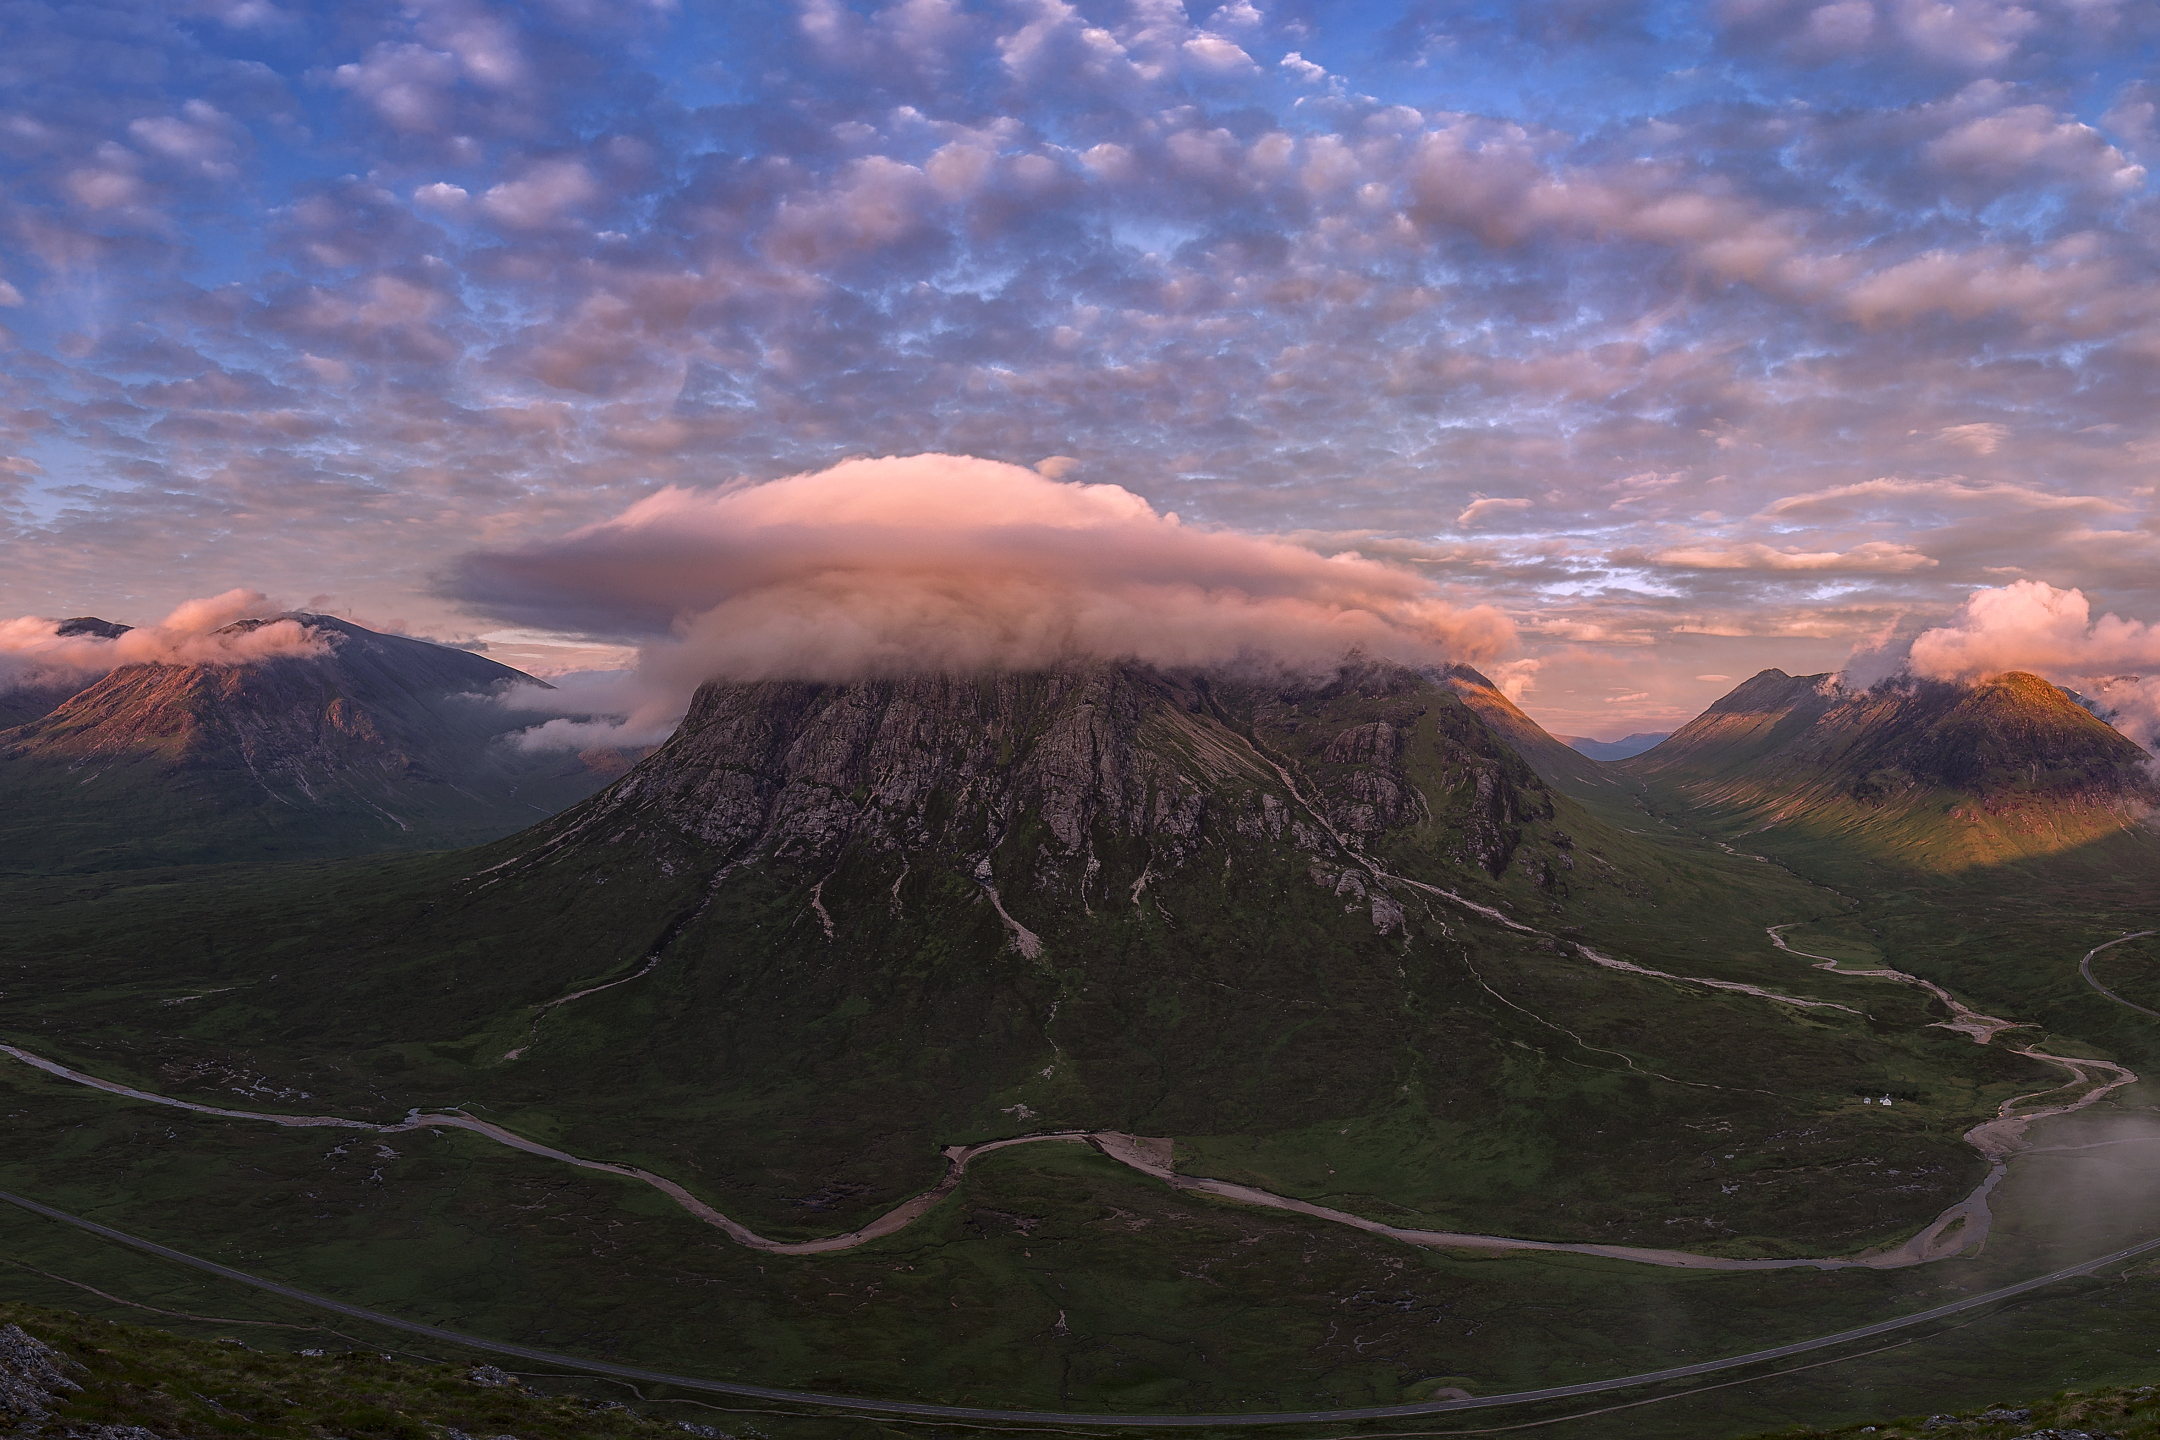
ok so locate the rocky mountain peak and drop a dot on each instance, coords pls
(90, 625)
(1073, 778)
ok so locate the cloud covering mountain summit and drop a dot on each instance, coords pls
(945, 562)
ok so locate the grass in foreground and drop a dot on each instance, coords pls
(2107, 1414)
(132, 1375)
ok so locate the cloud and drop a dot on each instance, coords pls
(539, 197)
(1477, 510)
(950, 562)
(612, 709)
(34, 654)
(1984, 438)
(2031, 625)
(1885, 492)
(1883, 557)
(495, 271)
(1305, 70)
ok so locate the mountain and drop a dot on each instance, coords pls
(381, 742)
(1625, 748)
(1943, 775)
(1554, 759)
(29, 702)
(1329, 932)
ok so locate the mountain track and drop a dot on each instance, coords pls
(1966, 1222)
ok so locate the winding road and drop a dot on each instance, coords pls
(2085, 969)
(1960, 1226)
(1038, 1417)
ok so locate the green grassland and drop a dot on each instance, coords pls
(181, 1387)
(1446, 1071)
(1458, 1075)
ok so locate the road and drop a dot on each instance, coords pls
(1041, 1417)
(2085, 969)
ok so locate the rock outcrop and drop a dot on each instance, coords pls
(1044, 775)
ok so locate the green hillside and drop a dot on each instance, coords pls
(1330, 937)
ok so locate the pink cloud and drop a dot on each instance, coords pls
(954, 563)
(1882, 557)
(2031, 625)
(34, 653)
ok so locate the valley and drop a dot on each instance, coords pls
(807, 1073)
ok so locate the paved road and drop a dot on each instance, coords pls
(2085, 969)
(1037, 1417)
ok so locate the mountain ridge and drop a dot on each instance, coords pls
(2011, 764)
(379, 742)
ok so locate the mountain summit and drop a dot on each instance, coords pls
(1959, 773)
(379, 742)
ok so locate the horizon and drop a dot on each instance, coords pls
(1686, 341)
(208, 636)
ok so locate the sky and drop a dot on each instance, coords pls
(1664, 342)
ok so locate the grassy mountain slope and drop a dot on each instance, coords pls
(856, 923)
(1924, 775)
(384, 743)
(1560, 765)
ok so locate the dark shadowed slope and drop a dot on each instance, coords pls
(1561, 766)
(382, 743)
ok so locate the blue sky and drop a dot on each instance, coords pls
(1692, 338)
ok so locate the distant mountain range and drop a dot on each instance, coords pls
(381, 743)
(1625, 748)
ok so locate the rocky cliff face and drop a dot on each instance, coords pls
(1058, 779)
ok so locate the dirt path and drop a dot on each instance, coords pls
(1982, 1028)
